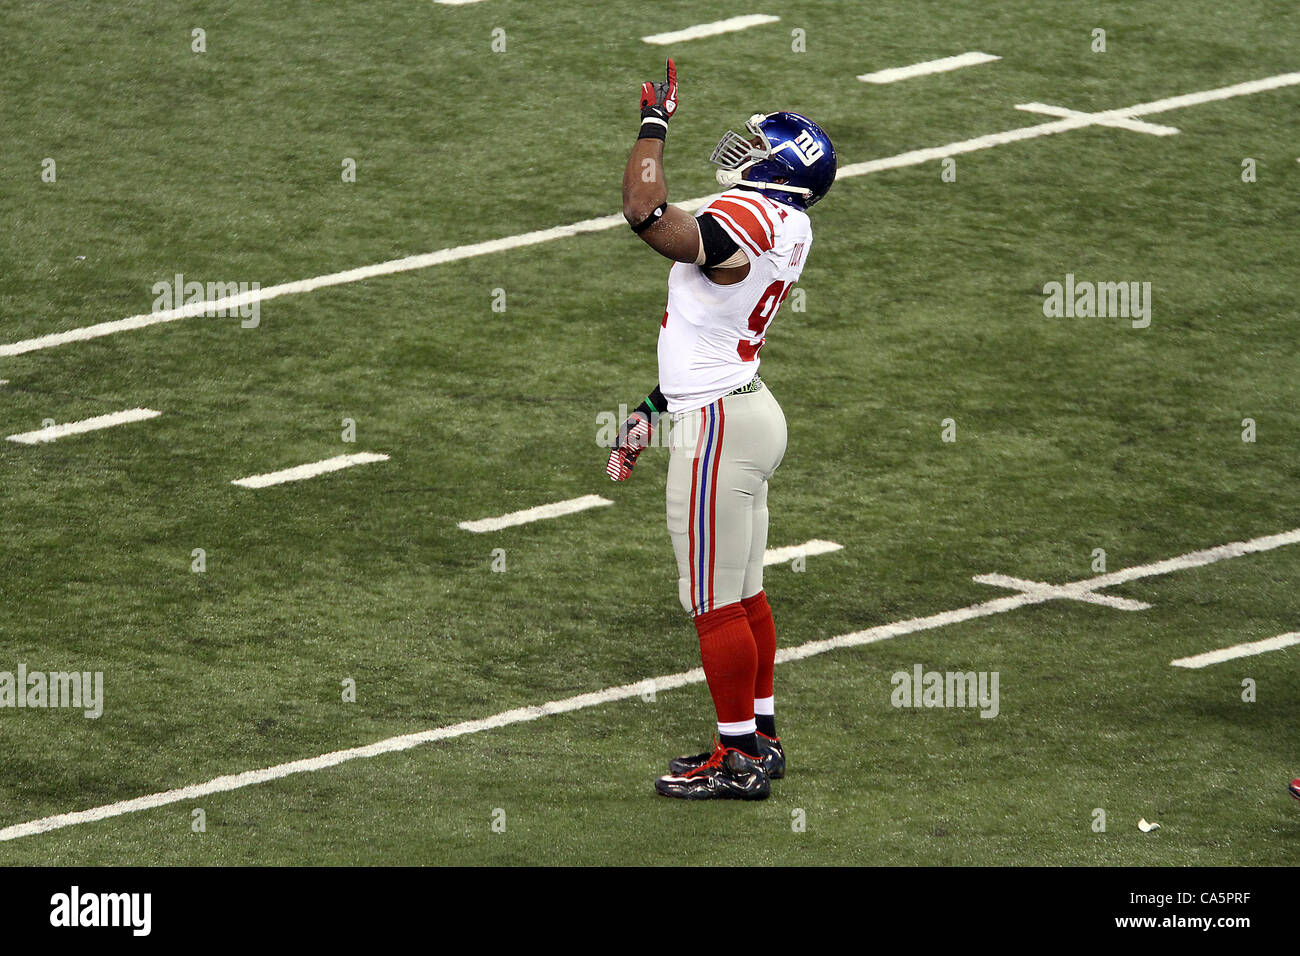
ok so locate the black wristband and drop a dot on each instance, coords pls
(653, 404)
(653, 128)
(651, 219)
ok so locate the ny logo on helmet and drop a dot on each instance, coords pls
(804, 146)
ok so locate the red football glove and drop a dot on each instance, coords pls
(659, 100)
(633, 438)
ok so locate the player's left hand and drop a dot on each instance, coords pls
(659, 100)
(633, 438)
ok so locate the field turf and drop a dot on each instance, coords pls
(924, 302)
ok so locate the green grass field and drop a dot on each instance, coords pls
(923, 303)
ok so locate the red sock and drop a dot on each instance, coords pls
(759, 614)
(730, 658)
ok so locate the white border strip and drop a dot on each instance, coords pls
(55, 432)
(309, 470)
(942, 65)
(1238, 650)
(626, 691)
(540, 513)
(913, 158)
(710, 29)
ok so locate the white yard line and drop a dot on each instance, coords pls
(540, 513)
(1134, 125)
(1065, 592)
(309, 470)
(912, 158)
(457, 3)
(1195, 559)
(1239, 650)
(1080, 121)
(55, 432)
(943, 65)
(808, 548)
(390, 267)
(710, 29)
(1207, 96)
(627, 691)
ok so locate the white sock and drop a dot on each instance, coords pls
(739, 728)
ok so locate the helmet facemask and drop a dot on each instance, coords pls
(737, 154)
(735, 151)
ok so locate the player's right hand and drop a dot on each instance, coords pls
(659, 100)
(633, 438)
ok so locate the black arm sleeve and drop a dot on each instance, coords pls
(718, 246)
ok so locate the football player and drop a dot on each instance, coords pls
(734, 264)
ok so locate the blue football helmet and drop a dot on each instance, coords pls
(786, 155)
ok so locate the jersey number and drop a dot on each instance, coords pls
(761, 318)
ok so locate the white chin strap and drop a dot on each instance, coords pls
(735, 177)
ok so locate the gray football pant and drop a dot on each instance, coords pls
(722, 456)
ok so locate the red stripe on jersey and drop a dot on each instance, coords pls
(736, 232)
(747, 218)
(754, 205)
(763, 210)
(745, 214)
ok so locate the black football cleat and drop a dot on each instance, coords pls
(769, 751)
(1295, 788)
(727, 774)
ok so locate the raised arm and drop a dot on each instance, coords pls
(666, 229)
(670, 231)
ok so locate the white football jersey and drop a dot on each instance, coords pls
(711, 334)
